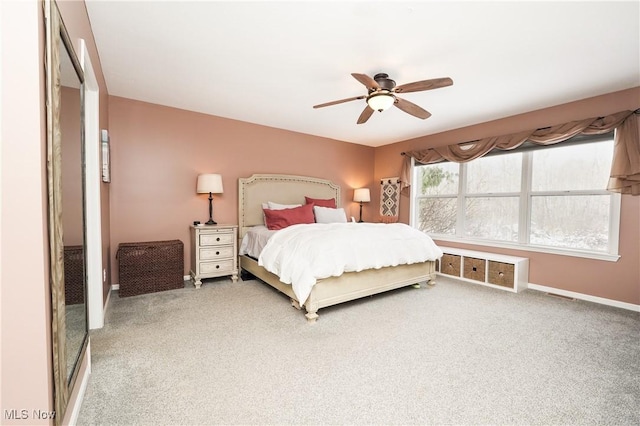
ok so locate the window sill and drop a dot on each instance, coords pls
(547, 250)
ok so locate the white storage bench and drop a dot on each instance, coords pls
(494, 270)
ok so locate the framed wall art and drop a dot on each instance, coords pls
(389, 197)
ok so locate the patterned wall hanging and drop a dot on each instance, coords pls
(389, 197)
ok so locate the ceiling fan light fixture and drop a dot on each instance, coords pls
(380, 101)
(381, 95)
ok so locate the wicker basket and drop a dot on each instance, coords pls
(148, 267)
(502, 274)
(450, 264)
(474, 269)
(73, 275)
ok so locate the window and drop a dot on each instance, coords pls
(550, 199)
(492, 197)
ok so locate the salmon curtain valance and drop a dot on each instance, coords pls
(625, 168)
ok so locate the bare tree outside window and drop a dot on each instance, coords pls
(437, 215)
(493, 218)
(580, 222)
(552, 197)
(562, 214)
(493, 197)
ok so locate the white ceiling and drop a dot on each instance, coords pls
(269, 62)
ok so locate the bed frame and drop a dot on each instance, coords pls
(284, 189)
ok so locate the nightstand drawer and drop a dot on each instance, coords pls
(216, 239)
(214, 267)
(221, 252)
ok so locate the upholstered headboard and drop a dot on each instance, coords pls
(283, 189)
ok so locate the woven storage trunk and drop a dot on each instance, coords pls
(73, 275)
(149, 267)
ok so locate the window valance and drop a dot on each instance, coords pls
(625, 169)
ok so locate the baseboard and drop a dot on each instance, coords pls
(586, 297)
(106, 303)
(186, 277)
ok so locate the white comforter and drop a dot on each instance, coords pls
(302, 254)
(254, 240)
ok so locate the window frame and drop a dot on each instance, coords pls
(524, 215)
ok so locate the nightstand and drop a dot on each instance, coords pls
(214, 252)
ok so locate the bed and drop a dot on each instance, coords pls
(262, 188)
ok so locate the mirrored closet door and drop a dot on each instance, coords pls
(66, 194)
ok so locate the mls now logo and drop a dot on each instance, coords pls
(24, 414)
(16, 414)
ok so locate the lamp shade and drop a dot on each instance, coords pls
(361, 195)
(381, 101)
(209, 183)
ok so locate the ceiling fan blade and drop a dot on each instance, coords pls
(339, 102)
(418, 86)
(365, 115)
(366, 80)
(411, 108)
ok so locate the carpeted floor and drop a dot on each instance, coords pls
(456, 353)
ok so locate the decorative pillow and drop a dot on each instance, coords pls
(275, 206)
(280, 219)
(331, 202)
(329, 215)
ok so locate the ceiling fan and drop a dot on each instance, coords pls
(382, 94)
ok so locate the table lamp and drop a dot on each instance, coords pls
(361, 195)
(211, 183)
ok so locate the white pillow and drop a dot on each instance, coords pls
(329, 215)
(275, 206)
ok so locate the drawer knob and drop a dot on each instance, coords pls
(475, 269)
(217, 266)
(501, 274)
(218, 239)
(217, 253)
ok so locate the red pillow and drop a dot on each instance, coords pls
(331, 202)
(279, 219)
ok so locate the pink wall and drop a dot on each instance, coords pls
(157, 153)
(612, 280)
(72, 202)
(25, 312)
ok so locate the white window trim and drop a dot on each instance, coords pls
(530, 247)
(524, 218)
